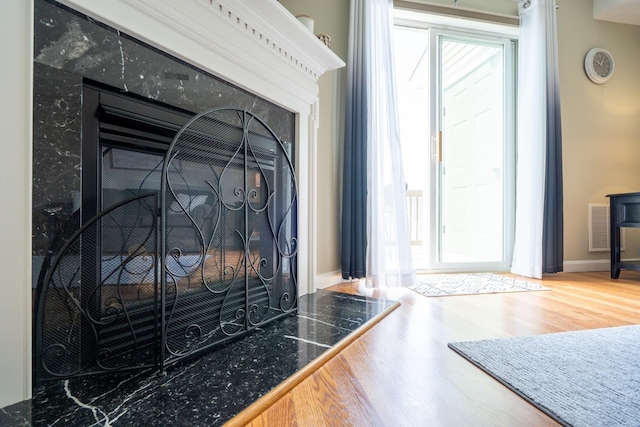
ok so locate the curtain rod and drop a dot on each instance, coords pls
(527, 3)
(455, 11)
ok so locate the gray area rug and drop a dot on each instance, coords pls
(584, 378)
(435, 285)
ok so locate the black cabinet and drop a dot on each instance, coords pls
(624, 212)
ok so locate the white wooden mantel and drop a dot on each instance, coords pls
(255, 44)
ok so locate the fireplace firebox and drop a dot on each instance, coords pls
(187, 239)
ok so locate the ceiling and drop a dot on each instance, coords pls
(623, 11)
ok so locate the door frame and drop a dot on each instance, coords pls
(508, 44)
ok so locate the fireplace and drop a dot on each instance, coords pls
(223, 38)
(164, 221)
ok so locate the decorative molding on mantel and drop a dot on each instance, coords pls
(269, 23)
(240, 40)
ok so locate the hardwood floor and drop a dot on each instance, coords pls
(401, 372)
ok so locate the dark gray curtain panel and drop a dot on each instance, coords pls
(553, 222)
(354, 190)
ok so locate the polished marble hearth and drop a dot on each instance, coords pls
(215, 387)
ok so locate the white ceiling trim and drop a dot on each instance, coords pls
(622, 11)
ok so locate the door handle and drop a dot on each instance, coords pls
(439, 146)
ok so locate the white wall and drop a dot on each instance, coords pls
(600, 125)
(16, 55)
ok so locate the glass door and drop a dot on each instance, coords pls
(463, 82)
(472, 130)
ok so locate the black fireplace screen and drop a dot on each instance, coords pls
(159, 275)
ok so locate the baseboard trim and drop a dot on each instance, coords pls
(328, 279)
(582, 266)
(594, 265)
(585, 266)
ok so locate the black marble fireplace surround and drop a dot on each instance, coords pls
(73, 52)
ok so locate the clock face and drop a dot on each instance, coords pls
(598, 64)
(601, 64)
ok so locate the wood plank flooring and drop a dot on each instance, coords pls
(401, 372)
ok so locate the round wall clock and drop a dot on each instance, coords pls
(598, 64)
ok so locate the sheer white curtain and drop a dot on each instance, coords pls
(371, 95)
(538, 233)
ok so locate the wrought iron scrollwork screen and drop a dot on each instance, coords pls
(233, 268)
(203, 257)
